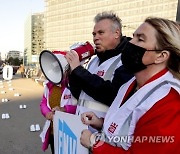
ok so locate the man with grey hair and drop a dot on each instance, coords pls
(96, 87)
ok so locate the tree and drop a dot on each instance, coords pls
(14, 61)
(10, 60)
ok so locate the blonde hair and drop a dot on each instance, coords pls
(168, 38)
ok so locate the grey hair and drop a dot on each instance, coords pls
(111, 16)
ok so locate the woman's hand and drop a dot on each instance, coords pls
(85, 138)
(90, 118)
(57, 108)
(49, 115)
(73, 59)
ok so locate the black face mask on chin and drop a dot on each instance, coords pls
(132, 57)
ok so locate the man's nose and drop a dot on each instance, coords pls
(95, 38)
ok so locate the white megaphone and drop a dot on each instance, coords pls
(54, 64)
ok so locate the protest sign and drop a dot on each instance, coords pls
(67, 132)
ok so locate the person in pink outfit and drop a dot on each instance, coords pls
(55, 98)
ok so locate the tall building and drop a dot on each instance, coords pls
(3, 56)
(13, 54)
(33, 38)
(71, 21)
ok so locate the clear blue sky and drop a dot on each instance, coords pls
(13, 14)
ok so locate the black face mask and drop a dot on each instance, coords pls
(132, 57)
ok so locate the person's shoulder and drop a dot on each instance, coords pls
(174, 95)
(126, 38)
(123, 42)
(171, 101)
(122, 69)
(48, 84)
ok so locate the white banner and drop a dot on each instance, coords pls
(67, 132)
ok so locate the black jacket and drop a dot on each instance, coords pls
(96, 87)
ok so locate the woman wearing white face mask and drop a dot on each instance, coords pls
(145, 115)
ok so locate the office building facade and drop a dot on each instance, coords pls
(33, 38)
(70, 21)
(13, 54)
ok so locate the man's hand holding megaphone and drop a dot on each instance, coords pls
(73, 59)
(55, 64)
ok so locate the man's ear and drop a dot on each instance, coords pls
(162, 57)
(117, 33)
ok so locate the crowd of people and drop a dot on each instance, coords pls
(131, 88)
